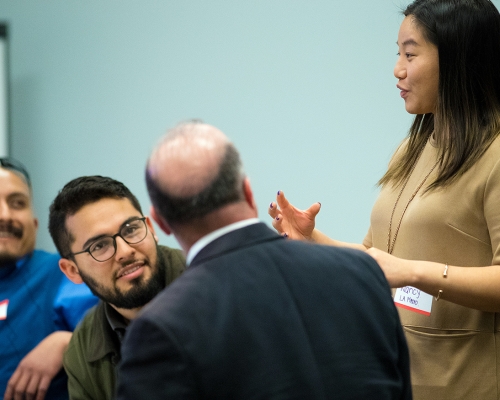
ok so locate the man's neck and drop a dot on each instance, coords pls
(9, 264)
(189, 233)
(128, 314)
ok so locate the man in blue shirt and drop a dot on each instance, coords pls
(39, 306)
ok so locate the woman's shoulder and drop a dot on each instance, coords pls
(400, 150)
(495, 145)
(489, 163)
(492, 153)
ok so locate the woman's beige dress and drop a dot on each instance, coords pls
(454, 352)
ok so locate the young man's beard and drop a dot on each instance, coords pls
(139, 295)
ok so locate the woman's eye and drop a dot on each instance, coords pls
(407, 55)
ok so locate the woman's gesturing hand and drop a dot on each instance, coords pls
(290, 221)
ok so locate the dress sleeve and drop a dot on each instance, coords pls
(71, 304)
(368, 242)
(492, 211)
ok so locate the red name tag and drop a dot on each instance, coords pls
(3, 309)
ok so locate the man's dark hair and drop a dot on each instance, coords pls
(76, 194)
(15, 166)
(224, 189)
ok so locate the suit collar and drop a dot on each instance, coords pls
(236, 239)
(201, 243)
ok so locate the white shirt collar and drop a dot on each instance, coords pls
(201, 243)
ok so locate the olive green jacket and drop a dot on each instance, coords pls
(94, 350)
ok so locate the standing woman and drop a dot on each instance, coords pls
(436, 224)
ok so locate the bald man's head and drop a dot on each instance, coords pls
(194, 170)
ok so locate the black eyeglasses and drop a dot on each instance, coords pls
(14, 165)
(104, 248)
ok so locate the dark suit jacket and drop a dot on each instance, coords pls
(256, 316)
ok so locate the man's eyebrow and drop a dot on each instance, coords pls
(409, 42)
(18, 194)
(94, 238)
(91, 240)
(130, 219)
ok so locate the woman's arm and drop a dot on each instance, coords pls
(473, 287)
(298, 224)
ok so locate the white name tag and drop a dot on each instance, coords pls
(413, 299)
(3, 309)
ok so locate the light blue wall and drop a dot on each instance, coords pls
(304, 88)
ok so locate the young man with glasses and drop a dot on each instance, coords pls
(39, 306)
(105, 241)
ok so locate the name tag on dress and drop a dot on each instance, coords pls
(413, 299)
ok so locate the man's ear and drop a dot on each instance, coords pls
(151, 228)
(247, 190)
(70, 269)
(160, 221)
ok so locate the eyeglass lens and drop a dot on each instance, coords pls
(105, 248)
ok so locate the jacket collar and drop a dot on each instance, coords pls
(202, 242)
(234, 240)
(104, 339)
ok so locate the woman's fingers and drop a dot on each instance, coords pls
(277, 223)
(281, 199)
(273, 210)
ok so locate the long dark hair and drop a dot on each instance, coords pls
(467, 118)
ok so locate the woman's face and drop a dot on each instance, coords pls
(417, 69)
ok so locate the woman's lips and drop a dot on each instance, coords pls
(403, 92)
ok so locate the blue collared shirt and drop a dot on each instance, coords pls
(36, 299)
